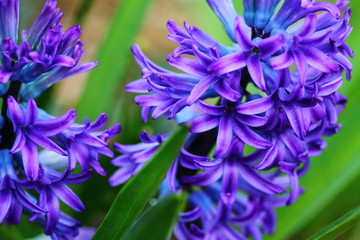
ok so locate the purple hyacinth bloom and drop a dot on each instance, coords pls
(134, 157)
(231, 168)
(31, 132)
(84, 143)
(12, 195)
(165, 99)
(60, 136)
(211, 218)
(293, 10)
(66, 227)
(46, 55)
(233, 120)
(275, 90)
(251, 55)
(191, 35)
(9, 17)
(171, 92)
(14, 57)
(51, 187)
(303, 52)
(40, 152)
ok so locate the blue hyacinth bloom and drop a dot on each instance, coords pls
(294, 54)
(39, 152)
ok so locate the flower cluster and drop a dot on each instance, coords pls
(36, 147)
(273, 91)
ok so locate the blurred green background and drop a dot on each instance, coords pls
(110, 27)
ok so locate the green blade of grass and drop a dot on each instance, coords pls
(158, 221)
(343, 202)
(113, 57)
(83, 11)
(132, 198)
(339, 226)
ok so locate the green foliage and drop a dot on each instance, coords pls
(339, 226)
(113, 56)
(133, 197)
(83, 11)
(164, 214)
(10, 233)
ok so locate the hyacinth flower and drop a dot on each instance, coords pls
(134, 157)
(40, 152)
(294, 53)
(209, 219)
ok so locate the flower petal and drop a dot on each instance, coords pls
(63, 61)
(187, 65)
(229, 182)
(249, 137)
(68, 196)
(228, 63)
(44, 142)
(301, 66)
(54, 126)
(309, 26)
(258, 181)
(256, 72)
(205, 178)
(200, 88)
(223, 88)
(269, 158)
(282, 61)
(19, 142)
(319, 60)
(16, 114)
(30, 160)
(295, 118)
(5, 202)
(32, 112)
(256, 106)
(224, 136)
(52, 217)
(270, 45)
(204, 123)
(241, 34)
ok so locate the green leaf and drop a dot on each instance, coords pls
(339, 226)
(113, 56)
(10, 233)
(83, 11)
(132, 198)
(344, 201)
(158, 221)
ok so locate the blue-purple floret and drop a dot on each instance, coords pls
(134, 157)
(39, 153)
(295, 58)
